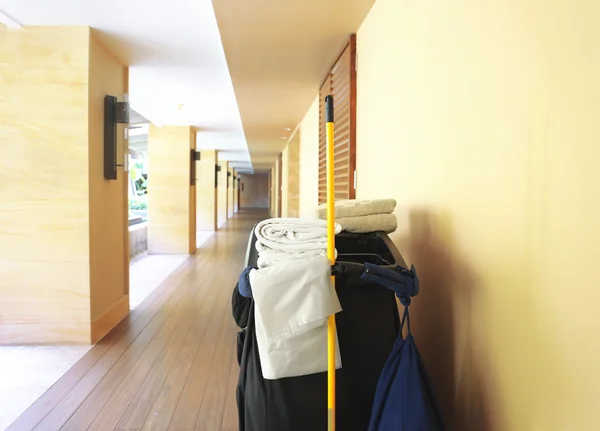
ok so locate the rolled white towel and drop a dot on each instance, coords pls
(268, 257)
(292, 234)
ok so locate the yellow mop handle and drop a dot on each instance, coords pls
(331, 255)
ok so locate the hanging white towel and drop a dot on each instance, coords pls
(292, 302)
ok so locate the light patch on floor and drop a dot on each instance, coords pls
(147, 272)
(202, 237)
(26, 372)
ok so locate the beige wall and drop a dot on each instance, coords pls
(108, 199)
(482, 118)
(62, 223)
(206, 193)
(309, 161)
(222, 194)
(171, 199)
(256, 191)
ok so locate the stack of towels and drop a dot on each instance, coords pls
(293, 297)
(363, 216)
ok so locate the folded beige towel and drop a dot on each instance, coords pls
(370, 223)
(357, 208)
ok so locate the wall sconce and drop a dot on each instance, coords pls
(115, 112)
(194, 157)
(217, 170)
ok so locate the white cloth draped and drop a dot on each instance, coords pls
(293, 296)
(292, 303)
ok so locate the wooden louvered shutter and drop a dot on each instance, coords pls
(341, 84)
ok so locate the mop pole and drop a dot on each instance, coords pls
(331, 255)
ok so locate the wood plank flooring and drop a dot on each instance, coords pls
(170, 365)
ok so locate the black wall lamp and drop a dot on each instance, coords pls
(217, 170)
(115, 112)
(194, 157)
(228, 175)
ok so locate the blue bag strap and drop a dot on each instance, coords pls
(403, 282)
(405, 318)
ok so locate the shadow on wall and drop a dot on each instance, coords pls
(443, 324)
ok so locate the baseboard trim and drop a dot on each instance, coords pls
(110, 319)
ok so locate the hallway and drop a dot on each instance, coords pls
(170, 365)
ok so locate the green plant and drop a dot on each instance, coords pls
(139, 203)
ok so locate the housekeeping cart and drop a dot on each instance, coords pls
(366, 329)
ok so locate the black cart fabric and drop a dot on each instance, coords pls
(367, 328)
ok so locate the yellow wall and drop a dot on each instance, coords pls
(309, 161)
(206, 193)
(222, 194)
(171, 199)
(485, 116)
(256, 191)
(480, 118)
(108, 199)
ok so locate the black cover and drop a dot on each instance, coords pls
(367, 328)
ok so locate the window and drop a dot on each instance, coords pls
(341, 84)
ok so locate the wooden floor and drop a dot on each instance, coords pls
(170, 365)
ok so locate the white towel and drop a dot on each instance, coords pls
(292, 302)
(358, 208)
(387, 223)
(280, 239)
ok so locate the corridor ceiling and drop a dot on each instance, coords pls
(270, 55)
(278, 52)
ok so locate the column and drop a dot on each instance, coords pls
(206, 192)
(230, 195)
(63, 250)
(222, 193)
(171, 198)
(293, 176)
